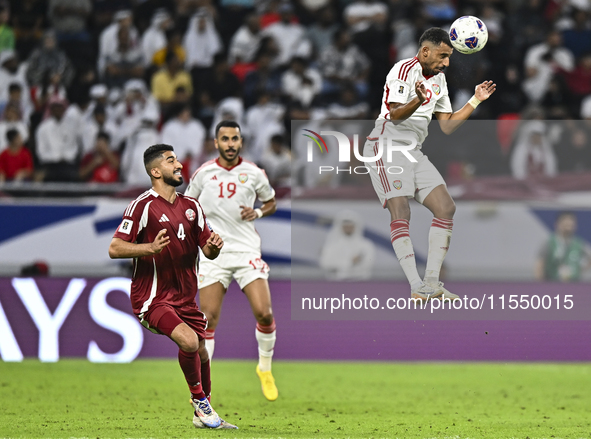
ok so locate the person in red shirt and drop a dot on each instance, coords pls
(16, 162)
(100, 165)
(163, 231)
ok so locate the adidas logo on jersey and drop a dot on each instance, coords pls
(215, 177)
(163, 219)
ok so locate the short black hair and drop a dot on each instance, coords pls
(435, 35)
(14, 86)
(226, 124)
(154, 152)
(103, 135)
(11, 135)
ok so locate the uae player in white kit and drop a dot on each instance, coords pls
(227, 189)
(415, 90)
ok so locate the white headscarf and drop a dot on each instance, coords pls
(201, 47)
(340, 250)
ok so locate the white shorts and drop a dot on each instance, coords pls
(244, 267)
(400, 177)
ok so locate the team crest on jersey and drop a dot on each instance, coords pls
(201, 278)
(190, 214)
(436, 89)
(397, 184)
(243, 177)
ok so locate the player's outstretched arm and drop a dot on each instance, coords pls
(400, 112)
(250, 214)
(213, 246)
(123, 249)
(449, 122)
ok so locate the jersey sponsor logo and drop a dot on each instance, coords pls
(125, 226)
(163, 218)
(436, 89)
(401, 90)
(242, 178)
(190, 214)
(397, 184)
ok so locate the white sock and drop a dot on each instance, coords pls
(439, 239)
(209, 342)
(266, 336)
(404, 251)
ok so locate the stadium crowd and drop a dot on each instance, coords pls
(87, 85)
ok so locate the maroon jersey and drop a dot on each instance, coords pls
(170, 276)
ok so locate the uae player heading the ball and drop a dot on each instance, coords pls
(162, 231)
(227, 188)
(415, 90)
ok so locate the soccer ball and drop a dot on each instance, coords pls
(468, 34)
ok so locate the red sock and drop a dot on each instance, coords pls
(191, 366)
(209, 334)
(206, 378)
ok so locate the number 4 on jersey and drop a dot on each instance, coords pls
(181, 233)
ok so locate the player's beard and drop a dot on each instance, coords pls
(225, 157)
(171, 180)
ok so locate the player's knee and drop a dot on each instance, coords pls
(203, 354)
(264, 318)
(449, 209)
(189, 343)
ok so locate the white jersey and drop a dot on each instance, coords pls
(400, 87)
(222, 191)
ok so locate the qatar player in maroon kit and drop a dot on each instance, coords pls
(162, 231)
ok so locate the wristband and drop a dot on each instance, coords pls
(259, 212)
(474, 101)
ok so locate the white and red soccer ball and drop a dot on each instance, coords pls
(468, 34)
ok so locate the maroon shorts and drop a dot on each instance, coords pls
(162, 318)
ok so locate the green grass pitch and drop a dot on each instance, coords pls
(148, 398)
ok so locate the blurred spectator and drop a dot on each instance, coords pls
(6, 32)
(187, 135)
(579, 80)
(245, 41)
(542, 61)
(343, 62)
(349, 105)
(98, 96)
(16, 162)
(133, 171)
(229, 109)
(99, 123)
(276, 161)
(109, 40)
(166, 81)
(321, 32)
(509, 97)
(129, 112)
(173, 45)
(533, 155)
(68, 18)
(363, 14)
(220, 83)
(11, 121)
(125, 63)
(58, 144)
(49, 60)
(578, 38)
(13, 73)
(154, 38)
(574, 151)
(28, 17)
(20, 102)
(36, 269)
(264, 79)
(263, 120)
(301, 83)
(101, 164)
(565, 256)
(290, 37)
(346, 254)
(202, 41)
